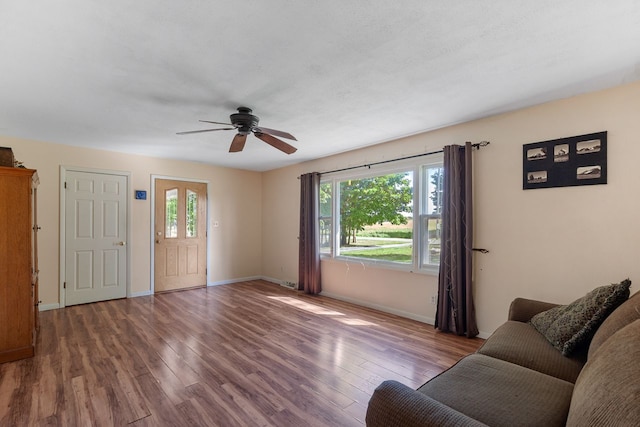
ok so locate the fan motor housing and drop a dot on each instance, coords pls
(243, 120)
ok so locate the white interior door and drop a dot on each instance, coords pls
(95, 237)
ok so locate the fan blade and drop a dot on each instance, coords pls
(274, 132)
(238, 143)
(276, 143)
(215, 123)
(200, 131)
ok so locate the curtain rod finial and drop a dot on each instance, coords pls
(480, 144)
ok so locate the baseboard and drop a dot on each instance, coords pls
(423, 319)
(401, 313)
(272, 280)
(484, 335)
(289, 284)
(140, 294)
(55, 306)
(47, 307)
(248, 279)
(231, 281)
(218, 283)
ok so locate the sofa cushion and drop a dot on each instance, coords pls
(395, 405)
(500, 393)
(522, 344)
(607, 392)
(568, 327)
(621, 317)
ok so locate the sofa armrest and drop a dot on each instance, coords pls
(395, 404)
(522, 309)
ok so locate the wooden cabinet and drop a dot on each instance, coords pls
(18, 263)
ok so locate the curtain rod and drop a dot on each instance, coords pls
(368, 165)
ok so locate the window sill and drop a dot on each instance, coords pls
(380, 265)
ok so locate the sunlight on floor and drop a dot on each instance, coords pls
(357, 322)
(316, 309)
(311, 308)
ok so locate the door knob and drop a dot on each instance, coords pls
(121, 243)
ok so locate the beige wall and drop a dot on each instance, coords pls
(553, 244)
(550, 244)
(235, 201)
(280, 224)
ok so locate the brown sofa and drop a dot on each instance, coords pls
(517, 378)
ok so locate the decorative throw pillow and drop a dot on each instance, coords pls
(569, 326)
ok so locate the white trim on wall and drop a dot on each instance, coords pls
(232, 281)
(140, 294)
(47, 307)
(406, 314)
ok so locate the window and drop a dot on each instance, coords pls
(376, 217)
(192, 214)
(325, 215)
(391, 217)
(431, 215)
(171, 213)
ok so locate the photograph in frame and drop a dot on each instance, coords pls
(565, 162)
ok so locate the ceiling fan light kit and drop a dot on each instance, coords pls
(245, 123)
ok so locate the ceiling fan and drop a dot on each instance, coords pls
(245, 122)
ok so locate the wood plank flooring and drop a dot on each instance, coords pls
(250, 353)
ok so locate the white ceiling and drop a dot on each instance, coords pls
(127, 75)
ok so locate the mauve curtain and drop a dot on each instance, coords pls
(309, 252)
(455, 311)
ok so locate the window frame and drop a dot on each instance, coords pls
(321, 217)
(425, 216)
(418, 167)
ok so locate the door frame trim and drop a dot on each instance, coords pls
(63, 198)
(152, 230)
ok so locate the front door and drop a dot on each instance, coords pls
(95, 237)
(180, 235)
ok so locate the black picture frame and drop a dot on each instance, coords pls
(565, 162)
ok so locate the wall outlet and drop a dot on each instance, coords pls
(434, 299)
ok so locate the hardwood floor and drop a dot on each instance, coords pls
(251, 353)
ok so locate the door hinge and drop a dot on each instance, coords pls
(64, 285)
(65, 185)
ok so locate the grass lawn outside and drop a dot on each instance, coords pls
(396, 254)
(372, 242)
(387, 242)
